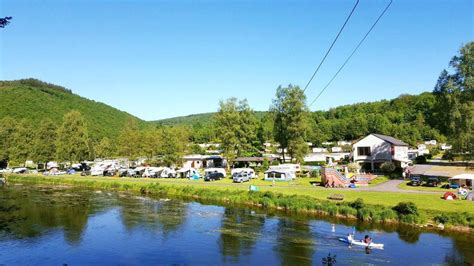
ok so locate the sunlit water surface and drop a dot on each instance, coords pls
(55, 226)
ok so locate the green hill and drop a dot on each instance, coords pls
(35, 100)
(192, 120)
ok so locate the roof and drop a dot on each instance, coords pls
(253, 159)
(391, 140)
(463, 177)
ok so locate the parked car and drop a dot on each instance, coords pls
(213, 176)
(241, 177)
(415, 181)
(432, 182)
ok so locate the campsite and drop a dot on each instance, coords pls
(236, 132)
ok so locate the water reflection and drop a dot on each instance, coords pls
(240, 230)
(43, 220)
(155, 215)
(295, 242)
(28, 213)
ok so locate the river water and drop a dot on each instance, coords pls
(54, 226)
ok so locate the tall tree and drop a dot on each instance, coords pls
(455, 101)
(7, 128)
(21, 148)
(44, 144)
(236, 125)
(291, 121)
(129, 140)
(173, 144)
(73, 140)
(104, 149)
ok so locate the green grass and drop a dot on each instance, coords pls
(430, 203)
(379, 180)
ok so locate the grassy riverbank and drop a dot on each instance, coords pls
(374, 207)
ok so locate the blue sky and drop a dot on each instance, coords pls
(159, 59)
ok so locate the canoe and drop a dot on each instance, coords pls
(361, 243)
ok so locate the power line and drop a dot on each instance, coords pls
(333, 42)
(353, 52)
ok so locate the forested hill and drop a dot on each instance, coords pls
(35, 100)
(193, 120)
(408, 117)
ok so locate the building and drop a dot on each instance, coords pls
(375, 149)
(344, 143)
(198, 161)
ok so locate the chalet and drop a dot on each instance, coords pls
(375, 149)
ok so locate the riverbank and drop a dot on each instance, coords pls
(374, 207)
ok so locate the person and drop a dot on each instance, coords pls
(367, 239)
(349, 237)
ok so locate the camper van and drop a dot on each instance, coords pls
(104, 168)
(250, 172)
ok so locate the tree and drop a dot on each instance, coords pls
(291, 121)
(387, 167)
(455, 101)
(104, 148)
(73, 141)
(21, 140)
(7, 128)
(44, 144)
(173, 144)
(236, 125)
(5, 21)
(129, 140)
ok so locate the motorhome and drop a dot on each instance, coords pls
(279, 175)
(250, 172)
(104, 168)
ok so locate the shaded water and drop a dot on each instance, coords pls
(44, 225)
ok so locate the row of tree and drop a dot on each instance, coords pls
(445, 114)
(70, 142)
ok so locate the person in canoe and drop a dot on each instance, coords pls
(367, 239)
(350, 238)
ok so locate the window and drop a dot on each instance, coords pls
(363, 151)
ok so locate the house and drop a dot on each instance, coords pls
(375, 149)
(319, 150)
(198, 161)
(432, 142)
(344, 143)
(327, 143)
(336, 149)
(446, 147)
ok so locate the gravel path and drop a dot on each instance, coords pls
(392, 186)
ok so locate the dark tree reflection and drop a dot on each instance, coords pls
(240, 230)
(295, 244)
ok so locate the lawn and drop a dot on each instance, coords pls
(427, 202)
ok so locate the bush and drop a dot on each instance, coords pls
(387, 167)
(357, 204)
(314, 173)
(420, 159)
(406, 208)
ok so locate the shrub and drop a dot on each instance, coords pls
(420, 159)
(406, 208)
(357, 204)
(387, 167)
(314, 173)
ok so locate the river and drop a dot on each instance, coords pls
(51, 226)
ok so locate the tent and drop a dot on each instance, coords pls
(470, 196)
(462, 179)
(449, 196)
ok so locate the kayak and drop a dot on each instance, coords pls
(361, 243)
